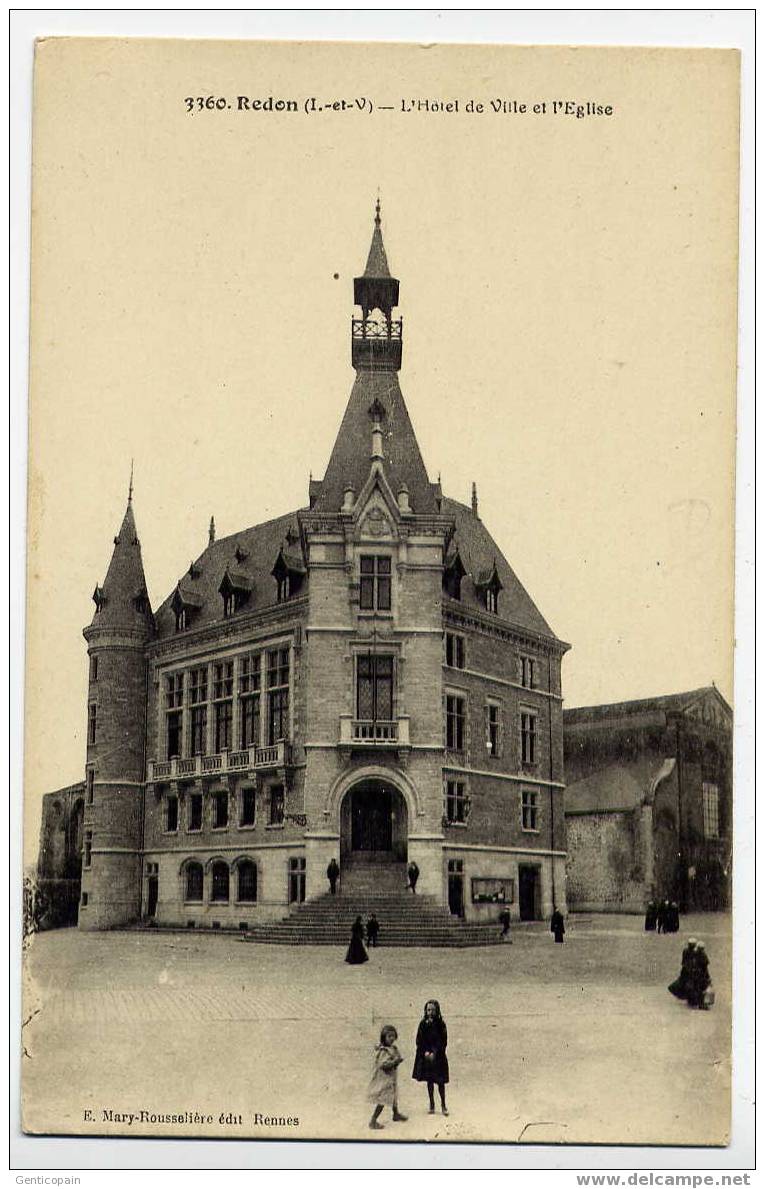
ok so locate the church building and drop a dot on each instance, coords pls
(362, 679)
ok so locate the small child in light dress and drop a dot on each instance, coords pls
(383, 1086)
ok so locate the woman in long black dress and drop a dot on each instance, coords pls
(680, 988)
(431, 1064)
(356, 953)
(698, 977)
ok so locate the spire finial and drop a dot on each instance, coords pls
(212, 530)
(474, 499)
(130, 485)
(377, 210)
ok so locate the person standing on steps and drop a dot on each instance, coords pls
(431, 1064)
(333, 872)
(356, 954)
(373, 928)
(504, 920)
(557, 927)
(383, 1087)
(413, 873)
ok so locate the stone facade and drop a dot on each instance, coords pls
(59, 863)
(649, 803)
(364, 679)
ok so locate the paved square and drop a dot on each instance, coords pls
(547, 1043)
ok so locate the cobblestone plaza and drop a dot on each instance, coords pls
(546, 1043)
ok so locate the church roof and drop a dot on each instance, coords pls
(350, 461)
(122, 600)
(258, 548)
(479, 554)
(658, 706)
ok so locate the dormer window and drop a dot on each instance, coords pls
(289, 572)
(184, 606)
(453, 574)
(141, 602)
(488, 586)
(99, 598)
(235, 591)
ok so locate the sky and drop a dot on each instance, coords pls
(568, 297)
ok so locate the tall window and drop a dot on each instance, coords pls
(174, 704)
(455, 650)
(455, 801)
(490, 598)
(455, 722)
(220, 811)
(223, 692)
(374, 687)
(94, 668)
(492, 729)
(198, 700)
(529, 809)
(527, 666)
(219, 881)
(249, 701)
(90, 777)
(87, 848)
(278, 694)
(171, 819)
(276, 805)
(528, 737)
(711, 808)
(247, 808)
(374, 594)
(194, 882)
(92, 726)
(195, 811)
(297, 881)
(247, 882)
(283, 588)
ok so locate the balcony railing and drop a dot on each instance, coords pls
(371, 329)
(378, 733)
(246, 760)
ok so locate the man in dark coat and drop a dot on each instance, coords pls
(673, 922)
(504, 920)
(373, 928)
(698, 977)
(333, 871)
(650, 917)
(413, 873)
(557, 927)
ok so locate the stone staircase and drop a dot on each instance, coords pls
(405, 919)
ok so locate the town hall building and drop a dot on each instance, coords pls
(363, 679)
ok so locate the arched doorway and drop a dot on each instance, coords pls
(373, 823)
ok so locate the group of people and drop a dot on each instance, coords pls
(356, 954)
(431, 1066)
(694, 983)
(333, 875)
(663, 916)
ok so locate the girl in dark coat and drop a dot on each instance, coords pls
(431, 1064)
(356, 952)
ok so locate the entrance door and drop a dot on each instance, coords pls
(297, 881)
(371, 819)
(456, 888)
(528, 893)
(153, 893)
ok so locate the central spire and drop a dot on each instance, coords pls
(376, 341)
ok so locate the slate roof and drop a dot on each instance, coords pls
(377, 261)
(479, 553)
(350, 460)
(261, 543)
(124, 583)
(661, 705)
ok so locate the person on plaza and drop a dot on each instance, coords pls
(699, 981)
(650, 917)
(557, 926)
(504, 920)
(673, 922)
(373, 928)
(413, 873)
(333, 872)
(662, 917)
(383, 1086)
(431, 1064)
(356, 953)
(681, 986)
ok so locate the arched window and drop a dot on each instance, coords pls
(219, 881)
(247, 889)
(194, 882)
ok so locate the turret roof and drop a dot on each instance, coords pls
(122, 601)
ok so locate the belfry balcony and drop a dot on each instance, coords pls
(380, 734)
(248, 759)
(376, 344)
